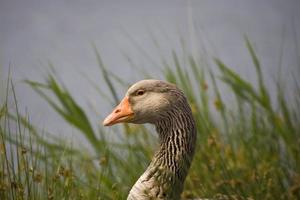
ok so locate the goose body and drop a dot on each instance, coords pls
(165, 106)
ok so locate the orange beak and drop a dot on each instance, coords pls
(122, 113)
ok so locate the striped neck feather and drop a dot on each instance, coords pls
(164, 177)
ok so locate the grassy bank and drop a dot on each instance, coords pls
(248, 149)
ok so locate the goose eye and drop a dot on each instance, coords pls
(140, 92)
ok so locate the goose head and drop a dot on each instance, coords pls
(145, 102)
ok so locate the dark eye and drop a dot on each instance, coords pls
(140, 92)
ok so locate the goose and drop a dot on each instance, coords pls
(165, 106)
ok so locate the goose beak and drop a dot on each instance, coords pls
(122, 113)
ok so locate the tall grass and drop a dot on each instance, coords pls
(248, 150)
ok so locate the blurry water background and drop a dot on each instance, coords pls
(36, 32)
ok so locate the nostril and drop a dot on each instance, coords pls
(118, 110)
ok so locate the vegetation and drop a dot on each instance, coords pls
(247, 150)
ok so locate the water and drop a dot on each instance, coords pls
(34, 32)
